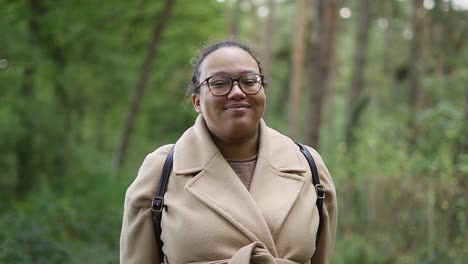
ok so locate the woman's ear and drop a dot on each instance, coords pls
(196, 102)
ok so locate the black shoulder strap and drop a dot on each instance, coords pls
(158, 201)
(319, 189)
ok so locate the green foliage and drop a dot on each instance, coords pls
(407, 206)
(69, 82)
(58, 221)
(65, 93)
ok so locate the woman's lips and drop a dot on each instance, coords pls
(236, 106)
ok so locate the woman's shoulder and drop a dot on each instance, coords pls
(143, 188)
(324, 175)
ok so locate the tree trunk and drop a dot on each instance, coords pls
(297, 68)
(330, 88)
(426, 55)
(139, 90)
(414, 70)
(391, 94)
(430, 219)
(268, 39)
(464, 144)
(234, 27)
(25, 148)
(255, 37)
(463, 147)
(267, 55)
(323, 45)
(54, 49)
(355, 99)
(461, 144)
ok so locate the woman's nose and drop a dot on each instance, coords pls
(236, 92)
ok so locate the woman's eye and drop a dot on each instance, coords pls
(219, 83)
(249, 82)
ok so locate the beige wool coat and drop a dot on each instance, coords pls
(211, 217)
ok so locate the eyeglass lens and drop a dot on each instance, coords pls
(250, 83)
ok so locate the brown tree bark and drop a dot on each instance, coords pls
(323, 46)
(464, 140)
(267, 55)
(297, 68)
(356, 102)
(387, 10)
(235, 21)
(139, 89)
(268, 38)
(255, 37)
(414, 73)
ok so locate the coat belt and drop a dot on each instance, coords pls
(254, 253)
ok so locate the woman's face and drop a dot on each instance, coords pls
(234, 116)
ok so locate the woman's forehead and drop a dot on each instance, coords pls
(228, 60)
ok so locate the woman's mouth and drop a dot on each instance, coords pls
(236, 106)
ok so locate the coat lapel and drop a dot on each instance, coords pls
(275, 186)
(278, 177)
(217, 186)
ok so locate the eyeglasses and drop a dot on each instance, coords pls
(219, 85)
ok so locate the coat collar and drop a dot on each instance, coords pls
(195, 149)
(277, 181)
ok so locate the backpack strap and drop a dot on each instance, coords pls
(158, 202)
(319, 189)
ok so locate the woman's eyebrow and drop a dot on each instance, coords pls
(228, 73)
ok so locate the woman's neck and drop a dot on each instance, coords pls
(242, 148)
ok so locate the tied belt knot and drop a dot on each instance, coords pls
(253, 253)
(256, 253)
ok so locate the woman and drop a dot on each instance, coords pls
(239, 191)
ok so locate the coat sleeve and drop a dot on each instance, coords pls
(324, 249)
(137, 238)
(137, 241)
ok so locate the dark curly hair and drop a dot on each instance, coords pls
(205, 51)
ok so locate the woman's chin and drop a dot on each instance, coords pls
(239, 131)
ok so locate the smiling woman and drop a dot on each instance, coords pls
(239, 192)
(232, 119)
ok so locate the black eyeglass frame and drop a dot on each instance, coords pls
(262, 83)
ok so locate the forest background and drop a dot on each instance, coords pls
(380, 88)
